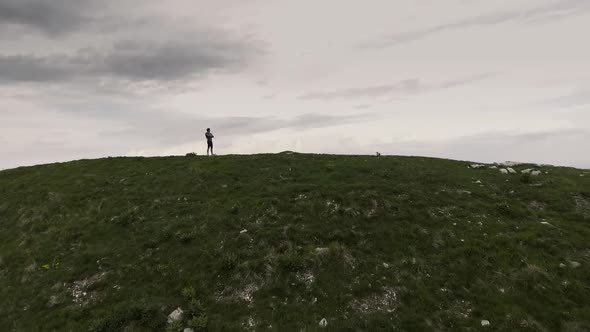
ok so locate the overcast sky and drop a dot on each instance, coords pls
(474, 80)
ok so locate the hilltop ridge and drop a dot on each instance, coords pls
(294, 242)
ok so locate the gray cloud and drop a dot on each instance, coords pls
(404, 87)
(556, 10)
(47, 16)
(575, 99)
(165, 128)
(132, 61)
(30, 68)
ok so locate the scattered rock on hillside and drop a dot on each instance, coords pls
(485, 322)
(176, 315)
(243, 231)
(306, 277)
(493, 167)
(582, 206)
(503, 171)
(323, 322)
(561, 265)
(525, 171)
(386, 302)
(511, 170)
(188, 329)
(477, 166)
(80, 289)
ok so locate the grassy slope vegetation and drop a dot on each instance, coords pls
(369, 244)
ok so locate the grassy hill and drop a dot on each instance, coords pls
(281, 242)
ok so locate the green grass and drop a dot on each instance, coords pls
(369, 244)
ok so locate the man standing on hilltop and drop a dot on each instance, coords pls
(209, 137)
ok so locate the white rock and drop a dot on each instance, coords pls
(243, 231)
(478, 181)
(575, 264)
(525, 171)
(188, 329)
(535, 173)
(511, 163)
(321, 250)
(478, 166)
(511, 170)
(561, 265)
(503, 171)
(176, 315)
(385, 265)
(493, 167)
(485, 322)
(323, 322)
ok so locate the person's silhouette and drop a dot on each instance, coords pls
(209, 137)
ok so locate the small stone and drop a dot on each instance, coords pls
(53, 301)
(243, 231)
(323, 322)
(511, 170)
(525, 171)
(561, 265)
(188, 329)
(503, 171)
(385, 265)
(31, 268)
(57, 286)
(575, 264)
(478, 166)
(493, 167)
(536, 173)
(321, 250)
(485, 322)
(176, 315)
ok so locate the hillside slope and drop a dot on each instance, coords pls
(282, 242)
